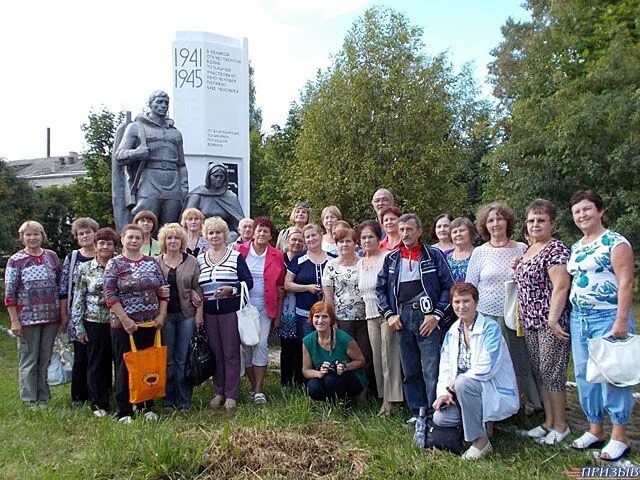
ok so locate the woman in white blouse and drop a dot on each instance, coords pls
(384, 345)
(489, 269)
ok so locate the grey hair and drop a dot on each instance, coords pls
(410, 216)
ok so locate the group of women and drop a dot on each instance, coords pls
(316, 291)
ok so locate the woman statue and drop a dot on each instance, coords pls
(214, 199)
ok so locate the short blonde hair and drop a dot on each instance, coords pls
(32, 225)
(330, 209)
(311, 226)
(175, 229)
(190, 212)
(215, 223)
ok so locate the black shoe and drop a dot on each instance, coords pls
(76, 404)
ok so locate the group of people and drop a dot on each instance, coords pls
(355, 309)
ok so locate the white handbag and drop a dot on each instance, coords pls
(511, 305)
(248, 319)
(613, 360)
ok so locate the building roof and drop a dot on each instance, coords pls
(49, 167)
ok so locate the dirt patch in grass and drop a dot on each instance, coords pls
(301, 452)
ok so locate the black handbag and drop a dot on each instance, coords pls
(443, 438)
(201, 364)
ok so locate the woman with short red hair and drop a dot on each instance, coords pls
(332, 361)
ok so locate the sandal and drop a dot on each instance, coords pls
(587, 440)
(615, 450)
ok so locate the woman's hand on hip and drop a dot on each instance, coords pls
(558, 331)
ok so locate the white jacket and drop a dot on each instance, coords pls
(490, 364)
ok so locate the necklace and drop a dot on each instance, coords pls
(500, 246)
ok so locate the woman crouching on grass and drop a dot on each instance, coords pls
(331, 359)
(476, 382)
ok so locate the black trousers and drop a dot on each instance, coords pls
(359, 330)
(334, 386)
(79, 390)
(144, 338)
(99, 364)
(291, 361)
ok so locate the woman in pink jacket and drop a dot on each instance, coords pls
(266, 264)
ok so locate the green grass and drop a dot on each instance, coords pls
(57, 443)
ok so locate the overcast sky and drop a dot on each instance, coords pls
(62, 59)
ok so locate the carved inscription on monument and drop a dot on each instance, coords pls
(221, 71)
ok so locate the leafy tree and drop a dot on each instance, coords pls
(54, 211)
(17, 204)
(384, 114)
(256, 150)
(278, 159)
(92, 194)
(567, 81)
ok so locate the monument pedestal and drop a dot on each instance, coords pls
(211, 106)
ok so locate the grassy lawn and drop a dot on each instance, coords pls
(288, 438)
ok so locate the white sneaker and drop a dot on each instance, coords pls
(100, 413)
(412, 421)
(128, 419)
(259, 399)
(151, 416)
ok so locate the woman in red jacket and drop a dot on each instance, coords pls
(266, 264)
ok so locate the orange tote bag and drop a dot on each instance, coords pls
(147, 370)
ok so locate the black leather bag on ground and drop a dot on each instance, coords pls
(443, 438)
(201, 364)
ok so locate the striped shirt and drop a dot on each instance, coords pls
(230, 270)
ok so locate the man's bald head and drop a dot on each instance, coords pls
(382, 198)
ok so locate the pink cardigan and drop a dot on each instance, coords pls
(274, 273)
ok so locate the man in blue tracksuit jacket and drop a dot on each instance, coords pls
(413, 295)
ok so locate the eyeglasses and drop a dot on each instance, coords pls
(301, 205)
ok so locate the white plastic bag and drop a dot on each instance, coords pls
(614, 361)
(61, 363)
(511, 305)
(248, 319)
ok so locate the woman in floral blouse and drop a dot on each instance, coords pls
(341, 290)
(543, 286)
(90, 320)
(31, 297)
(133, 293)
(601, 264)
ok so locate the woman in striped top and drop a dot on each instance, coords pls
(221, 271)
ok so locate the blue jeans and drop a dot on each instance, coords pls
(420, 357)
(597, 398)
(177, 334)
(303, 327)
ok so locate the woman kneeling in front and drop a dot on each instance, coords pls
(476, 383)
(331, 359)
